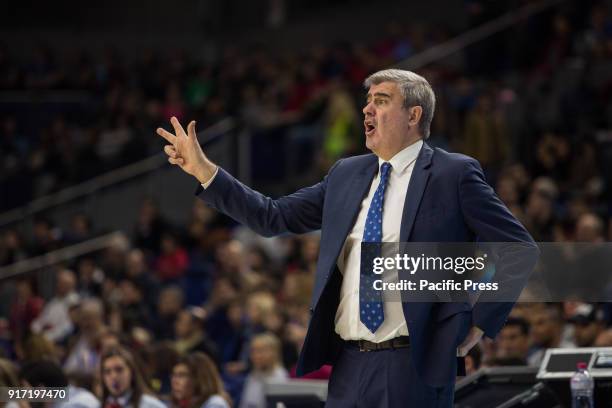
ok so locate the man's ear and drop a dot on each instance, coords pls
(415, 113)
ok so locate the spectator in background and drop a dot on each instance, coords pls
(137, 270)
(604, 339)
(173, 260)
(231, 263)
(35, 347)
(159, 358)
(11, 248)
(114, 140)
(83, 355)
(45, 237)
(591, 260)
(539, 215)
(485, 134)
(80, 229)
(9, 378)
(196, 384)
(133, 311)
(590, 228)
(54, 321)
(227, 325)
(113, 259)
(123, 385)
(149, 227)
(588, 321)
(8, 374)
(26, 307)
(91, 277)
(190, 334)
(259, 306)
(513, 340)
(267, 365)
(109, 339)
(50, 374)
(507, 190)
(341, 125)
(170, 303)
(546, 332)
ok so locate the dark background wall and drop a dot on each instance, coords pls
(204, 24)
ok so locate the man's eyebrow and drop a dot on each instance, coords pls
(378, 94)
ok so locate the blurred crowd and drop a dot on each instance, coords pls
(207, 312)
(70, 114)
(165, 294)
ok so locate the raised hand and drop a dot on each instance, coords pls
(185, 151)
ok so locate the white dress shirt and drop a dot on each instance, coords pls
(348, 324)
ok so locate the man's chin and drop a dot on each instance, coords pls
(370, 144)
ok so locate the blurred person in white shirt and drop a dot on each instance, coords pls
(54, 321)
(266, 361)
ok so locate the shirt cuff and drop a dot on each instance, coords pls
(205, 185)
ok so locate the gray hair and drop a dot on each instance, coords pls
(415, 90)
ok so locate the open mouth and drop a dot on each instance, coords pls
(369, 128)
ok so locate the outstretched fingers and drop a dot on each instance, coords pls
(191, 133)
(178, 128)
(170, 138)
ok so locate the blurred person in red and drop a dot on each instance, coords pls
(26, 307)
(173, 261)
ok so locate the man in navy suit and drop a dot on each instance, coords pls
(385, 354)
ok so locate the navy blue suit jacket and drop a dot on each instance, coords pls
(448, 200)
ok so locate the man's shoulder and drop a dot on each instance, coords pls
(443, 157)
(356, 161)
(439, 157)
(352, 165)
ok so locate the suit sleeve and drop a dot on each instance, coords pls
(297, 213)
(516, 252)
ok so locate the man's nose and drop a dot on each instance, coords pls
(368, 110)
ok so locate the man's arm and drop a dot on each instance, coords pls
(297, 213)
(491, 221)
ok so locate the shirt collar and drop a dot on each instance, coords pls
(122, 399)
(404, 157)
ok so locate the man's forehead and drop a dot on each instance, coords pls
(387, 88)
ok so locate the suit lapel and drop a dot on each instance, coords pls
(416, 188)
(353, 197)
